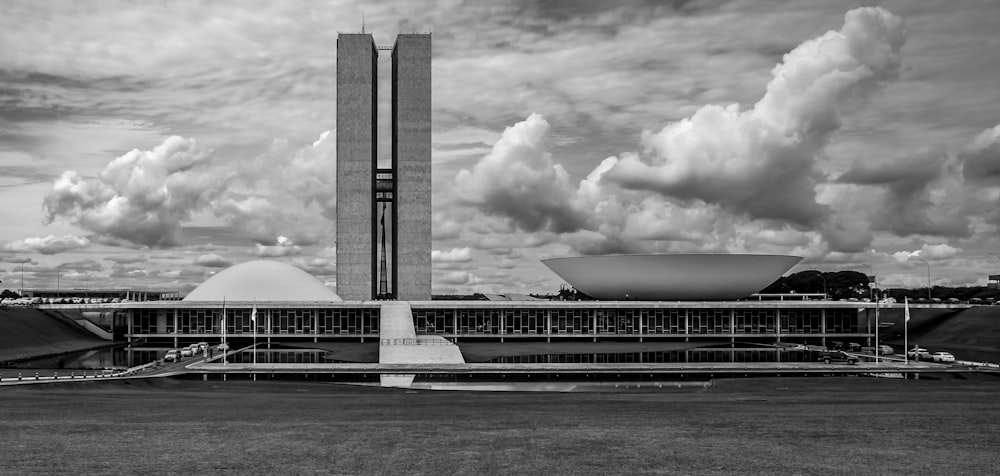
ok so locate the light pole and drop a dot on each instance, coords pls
(825, 295)
(872, 279)
(22, 278)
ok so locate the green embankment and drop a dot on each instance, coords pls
(970, 334)
(26, 333)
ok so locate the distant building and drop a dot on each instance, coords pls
(104, 294)
(993, 281)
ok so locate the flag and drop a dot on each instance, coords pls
(253, 314)
(906, 309)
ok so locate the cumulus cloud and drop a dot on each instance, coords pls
(48, 245)
(458, 278)
(699, 179)
(761, 161)
(454, 255)
(286, 191)
(519, 180)
(142, 197)
(212, 260)
(283, 246)
(928, 252)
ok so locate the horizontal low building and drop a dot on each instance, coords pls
(271, 301)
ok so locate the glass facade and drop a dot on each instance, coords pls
(502, 321)
(282, 321)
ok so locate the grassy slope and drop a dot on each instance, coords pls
(970, 334)
(755, 426)
(26, 332)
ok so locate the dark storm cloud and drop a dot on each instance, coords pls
(981, 160)
(907, 207)
(904, 174)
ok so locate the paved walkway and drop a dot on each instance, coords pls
(399, 344)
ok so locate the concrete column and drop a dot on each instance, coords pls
(687, 325)
(128, 325)
(732, 322)
(175, 328)
(822, 324)
(641, 330)
(593, 323)
(548, 325)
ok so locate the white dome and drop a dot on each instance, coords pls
(262, 280)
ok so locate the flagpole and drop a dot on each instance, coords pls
(906, 330)
(878, 347)
(224, 330)
(253, 321)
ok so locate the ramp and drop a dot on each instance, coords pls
(399, 344)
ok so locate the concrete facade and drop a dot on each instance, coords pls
(409, 220)
(357, 136)
(411, 159)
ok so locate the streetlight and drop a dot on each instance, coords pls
(872, 279)
(825, 295)
(22, 278)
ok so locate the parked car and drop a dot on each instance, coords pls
(882, 350)
(918, 353)
(837, 356)
(943, 357)
(172, 356)
(186, 352)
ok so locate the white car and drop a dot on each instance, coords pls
(943, 357)
(172, 356)
(186, 352)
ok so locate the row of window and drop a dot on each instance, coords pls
(272, 321)
(694, 355)
(634, 321)
(502, 321)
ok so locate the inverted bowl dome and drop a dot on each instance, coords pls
(671, 277)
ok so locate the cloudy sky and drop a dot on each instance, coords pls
(151, 144)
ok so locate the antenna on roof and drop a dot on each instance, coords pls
(362, 22)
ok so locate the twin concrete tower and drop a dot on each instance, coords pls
(383, 214)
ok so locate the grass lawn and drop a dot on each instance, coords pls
(738, 426)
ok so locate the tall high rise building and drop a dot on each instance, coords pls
(373, 202)
(411, 160)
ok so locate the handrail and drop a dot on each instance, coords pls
(416, 341)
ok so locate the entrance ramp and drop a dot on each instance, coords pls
(399, 344)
